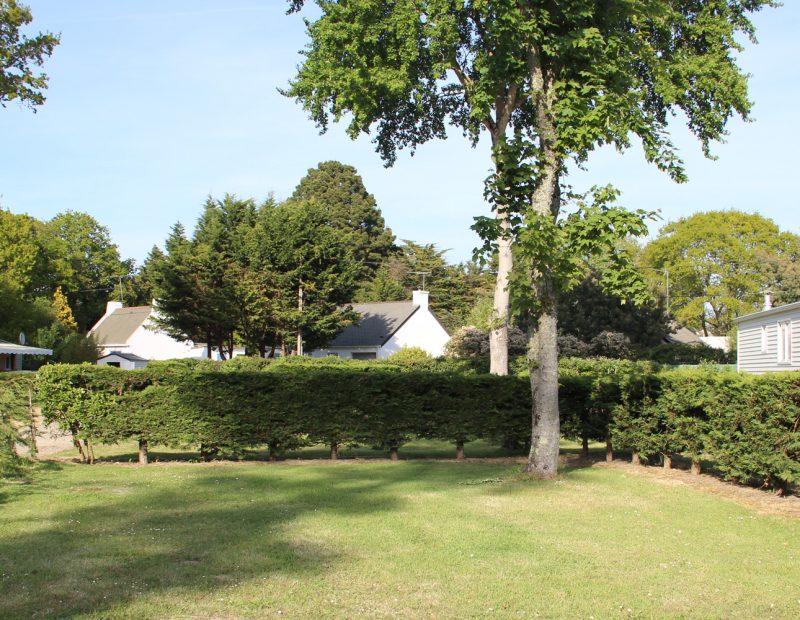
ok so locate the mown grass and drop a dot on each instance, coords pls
(408, 539)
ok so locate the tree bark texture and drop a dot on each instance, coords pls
(635, 458)
(542, 342)
(585, 447)
(394, 453)
(609, 450)
(498, 334)
(696, 469)
(460, 451)
(144, 458)
(334, 451)
(543, 366)
(667, 461)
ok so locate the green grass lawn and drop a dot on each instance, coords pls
(409, 539)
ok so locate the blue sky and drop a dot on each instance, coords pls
(155, 104)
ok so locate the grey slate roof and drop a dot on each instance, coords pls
(379, 322)
(118, 326)
(131, 357)
(682, 335)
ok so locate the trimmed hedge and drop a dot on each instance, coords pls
(227, 407)
(16, 419)
(748, 426)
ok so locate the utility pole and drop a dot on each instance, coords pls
(300, 308)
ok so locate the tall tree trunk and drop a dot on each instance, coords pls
(543, 367)
(498, 334)
(542, 341)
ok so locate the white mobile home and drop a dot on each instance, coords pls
(769, 341)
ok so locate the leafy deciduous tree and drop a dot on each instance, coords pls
(18, 53)
(720, 264)
(571, 75)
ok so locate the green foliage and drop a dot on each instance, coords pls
(454, 289)
(340, 191)
(242, 275)
(720, 263)
(410, 355)
(688, 354)
(19, 54)
(568, 248)
(749, 426)
(16, 398)
(586, 311)
(84, 261)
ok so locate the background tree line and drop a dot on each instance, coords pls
(55, 279)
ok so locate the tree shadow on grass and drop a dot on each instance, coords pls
(119, 535)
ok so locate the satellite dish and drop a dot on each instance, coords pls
(22, 338)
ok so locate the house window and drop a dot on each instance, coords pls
(764, 340)
(784, 342)
(114, 364)
(365, 356)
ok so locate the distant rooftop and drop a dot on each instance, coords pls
(379, 322)
(131, 357)
(117, 327)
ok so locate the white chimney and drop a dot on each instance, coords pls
(420, 298)
(113, 305)
(767, 301)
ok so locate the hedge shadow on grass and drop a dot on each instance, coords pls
(209, 529)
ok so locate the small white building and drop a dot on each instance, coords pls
(126, 361)
(132, 331)
(386, 327)
(11, 354)
(769, 341)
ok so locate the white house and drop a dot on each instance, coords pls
(131, 331)
(386, 327)
(769, 341)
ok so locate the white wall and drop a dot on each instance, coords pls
(421, 330)
(125, 364)
(752, 357)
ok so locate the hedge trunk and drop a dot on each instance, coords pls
(334, 451)
(667, 461)
(459, 450)
(635, 458)
(696, 469)
(394, 453)
(143, 456)
(609, 450)
(585, 446)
